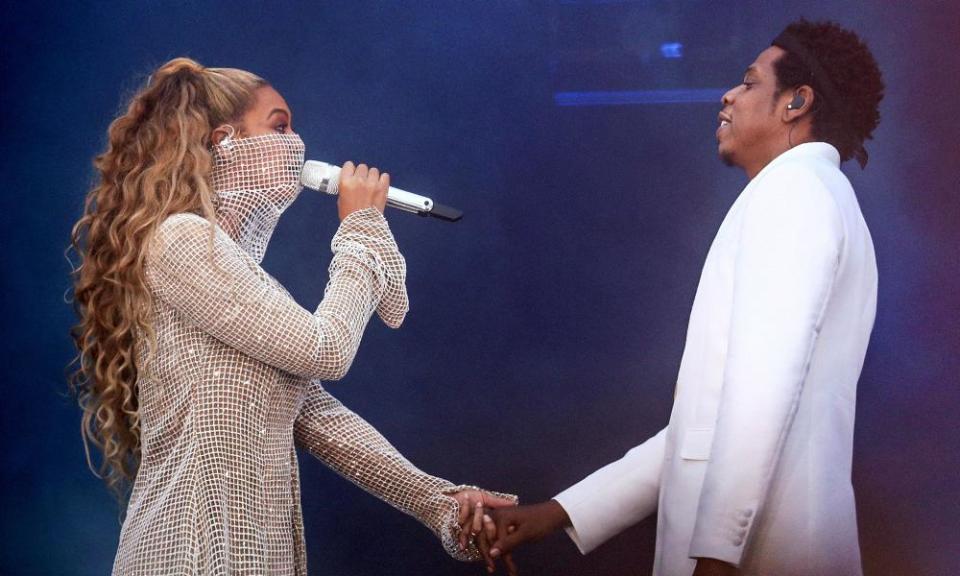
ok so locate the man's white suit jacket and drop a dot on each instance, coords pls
(754, 465)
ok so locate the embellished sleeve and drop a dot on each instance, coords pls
(354, 449)
(205, 276)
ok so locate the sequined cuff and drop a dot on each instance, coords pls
(449, 531)
(368, 213)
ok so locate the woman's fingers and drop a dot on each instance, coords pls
(361, 186)
(463, 517)
(382, 184)
(477, 525)
(466, 508)
(361, 171)
(483, 544)
(494, 501)
(489, 527)
(487, 537)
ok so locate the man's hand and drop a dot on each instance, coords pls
(712, 567)
(515, 526)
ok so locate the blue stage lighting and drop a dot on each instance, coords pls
(671, 50)
(624, 97)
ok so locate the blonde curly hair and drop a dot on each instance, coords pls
(157, 163)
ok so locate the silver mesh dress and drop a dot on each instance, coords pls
(233, 383)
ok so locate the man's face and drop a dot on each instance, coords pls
(752, 131)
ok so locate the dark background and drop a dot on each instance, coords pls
(546, 328)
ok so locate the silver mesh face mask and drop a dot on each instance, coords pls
(255, 180)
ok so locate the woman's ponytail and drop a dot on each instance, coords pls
(157, 163)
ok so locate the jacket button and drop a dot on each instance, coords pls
(744, 522)
(738, 541)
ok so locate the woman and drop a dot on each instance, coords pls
(198, 372)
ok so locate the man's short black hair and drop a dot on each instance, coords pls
(848, 118)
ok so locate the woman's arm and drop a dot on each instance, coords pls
(221, 291)
(354, 449)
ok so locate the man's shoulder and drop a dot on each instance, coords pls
(800, 171)
(797, 190)
(811, 164)
(799, 180)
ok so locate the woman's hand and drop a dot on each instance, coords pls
(476, 527)
(472, 503)
(361, 187)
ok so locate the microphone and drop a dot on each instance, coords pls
(324, 177)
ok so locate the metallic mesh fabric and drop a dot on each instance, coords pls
(256, 179)
(233, 384)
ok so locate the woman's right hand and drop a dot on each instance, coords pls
(361, 187)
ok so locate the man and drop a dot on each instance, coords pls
(752, 474)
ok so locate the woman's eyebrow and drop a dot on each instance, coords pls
(280, 110)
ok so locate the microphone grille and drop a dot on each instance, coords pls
(320, 176)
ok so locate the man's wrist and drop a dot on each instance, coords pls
(558, 515)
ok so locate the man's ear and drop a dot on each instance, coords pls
(800, 103)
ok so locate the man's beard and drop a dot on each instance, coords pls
(727, 159)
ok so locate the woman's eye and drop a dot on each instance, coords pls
(281, 128)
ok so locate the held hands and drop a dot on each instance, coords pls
(473, 502)
(504, 529)
(497, 525)
(361, 187)
(473, 505)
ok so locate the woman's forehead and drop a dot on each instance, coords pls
(267, 102)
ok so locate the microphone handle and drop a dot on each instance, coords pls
(396, 198)
(403, 200)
